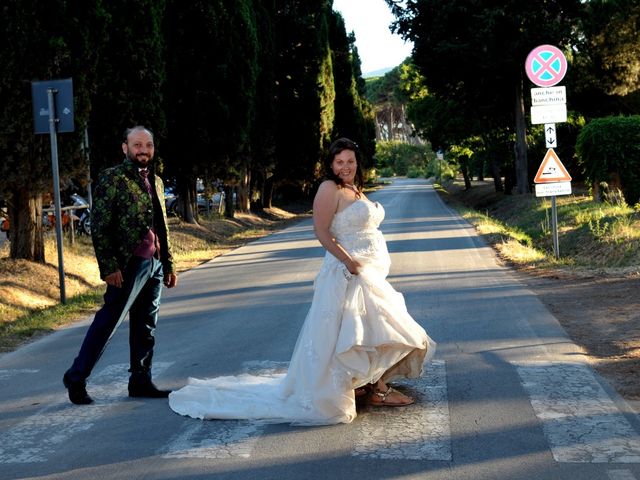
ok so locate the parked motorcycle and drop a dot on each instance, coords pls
(4, 224)
(83, 214)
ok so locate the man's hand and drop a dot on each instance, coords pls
(170, 280)
(114, 279)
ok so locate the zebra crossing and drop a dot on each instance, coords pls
(581, 423)
(37, 438)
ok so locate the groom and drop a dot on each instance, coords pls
(131, 241)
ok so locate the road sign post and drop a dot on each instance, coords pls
(551, 180)
(546, 66)
(51, 94)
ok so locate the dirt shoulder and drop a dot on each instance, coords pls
(602, 315)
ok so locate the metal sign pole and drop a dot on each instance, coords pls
(56, 189)
(87, 152)
(554, 227)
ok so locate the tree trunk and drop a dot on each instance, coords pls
(229, 207)
(256, 191)
(186, 201)
(26, 234)
(522, 175)
(244, 191)
(464, 168)
(267, 201)
(495, 173)
(480, 171)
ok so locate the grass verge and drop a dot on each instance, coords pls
(592, 236)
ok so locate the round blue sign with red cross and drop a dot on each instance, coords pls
(546, 65)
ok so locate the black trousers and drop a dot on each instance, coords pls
(140, 297)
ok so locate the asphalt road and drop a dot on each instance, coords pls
(508, 395)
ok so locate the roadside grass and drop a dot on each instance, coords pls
(591, 235)
(30, 295)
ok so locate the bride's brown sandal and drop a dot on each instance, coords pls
(381, 399)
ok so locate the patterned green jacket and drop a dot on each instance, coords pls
(121, 216)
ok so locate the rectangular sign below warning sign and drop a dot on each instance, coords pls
(553, 189)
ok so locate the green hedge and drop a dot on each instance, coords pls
(608, 150)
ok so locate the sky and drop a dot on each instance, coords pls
(377, 46)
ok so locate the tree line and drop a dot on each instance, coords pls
(246, 92)
(466, 91)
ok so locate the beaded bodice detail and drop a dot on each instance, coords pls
(360, 216)
(356, 229)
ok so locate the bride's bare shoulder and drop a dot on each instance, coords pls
(329, 185)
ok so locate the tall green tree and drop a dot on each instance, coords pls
(481, 68)
(131, 77)
(305, 92)
(606, 59)
(42, 41)
(211, 93)
(263, 141)
(353, 113)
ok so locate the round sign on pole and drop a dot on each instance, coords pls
(546, 65)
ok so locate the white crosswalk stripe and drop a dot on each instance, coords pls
(37, 438)
(7, 374)
(620, 475)
(417, 432)
(226, 439)
(223, 439)
(581, 422)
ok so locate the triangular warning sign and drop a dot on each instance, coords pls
(551, 170)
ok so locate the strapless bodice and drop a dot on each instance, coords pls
(356, 229)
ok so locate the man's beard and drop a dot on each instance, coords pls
(138, 163)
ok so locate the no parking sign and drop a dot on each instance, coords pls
(546, 65)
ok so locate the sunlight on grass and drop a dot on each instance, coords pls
(38, 322)
(519, 253)
(591, 234)
(250, 234)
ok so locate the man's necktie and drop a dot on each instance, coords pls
(144, 173)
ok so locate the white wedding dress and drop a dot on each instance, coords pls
(357, 331)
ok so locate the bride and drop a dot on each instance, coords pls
(357, 335)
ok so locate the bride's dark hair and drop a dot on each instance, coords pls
(334, 149)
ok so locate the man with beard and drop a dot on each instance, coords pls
(131, 241)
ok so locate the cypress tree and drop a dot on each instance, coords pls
(64, 40)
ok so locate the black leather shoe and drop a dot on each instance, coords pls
(77, 391)
(147, 390)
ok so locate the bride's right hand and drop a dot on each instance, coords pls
(353, 266)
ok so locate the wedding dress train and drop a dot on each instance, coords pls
(356, 332)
